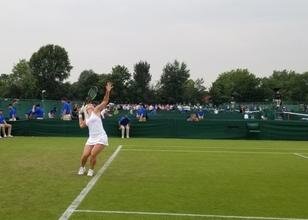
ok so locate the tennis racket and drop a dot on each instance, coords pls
(90, 97)
(91, 94)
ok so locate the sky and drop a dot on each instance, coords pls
(210, 36)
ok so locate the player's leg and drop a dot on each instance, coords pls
(94, 152)
(86, 153)
(84, 157)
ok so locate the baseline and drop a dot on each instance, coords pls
(300, 155)
(186, 215)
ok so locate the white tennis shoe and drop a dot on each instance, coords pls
(81, 171)
(90, 172)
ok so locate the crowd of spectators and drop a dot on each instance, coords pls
(128, 113)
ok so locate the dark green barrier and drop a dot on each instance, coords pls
(174, 128)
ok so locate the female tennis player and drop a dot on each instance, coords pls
(98, 139)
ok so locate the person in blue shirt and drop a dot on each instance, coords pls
(4, 125)
(200, 114)
(12, 113)
(124, 123)
(29, 115)
(142, 113)
(38, 112)
(66, 112)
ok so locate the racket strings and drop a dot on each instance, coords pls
(92, 93)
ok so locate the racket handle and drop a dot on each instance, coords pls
(81, 110)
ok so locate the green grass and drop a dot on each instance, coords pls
(212, 177)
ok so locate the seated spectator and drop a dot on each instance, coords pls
(193, 117)
(200, 114)
(30, 114)
(4, 125)
(52, 113)
(38, 112)
(124, 123)
(12, 113)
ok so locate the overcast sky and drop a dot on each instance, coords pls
(211, 36)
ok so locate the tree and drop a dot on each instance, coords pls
(86, 80)
(4, 85)
(120, 77)
(23, 80)
(20, 83)
(194, 91)
(141, 81)
(172, 82)
(239, 85)
(51, 66)
(293, 86)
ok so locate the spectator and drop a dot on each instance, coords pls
(277, 99)
(38, 112)
(66, 110)
(12, 113)
(4, 125)
(52, 113)
(200, 114)
(124, 123)
(75, 111)
(30, 114)
(193, 117)
(141, 113)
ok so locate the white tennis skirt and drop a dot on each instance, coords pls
(97, 139)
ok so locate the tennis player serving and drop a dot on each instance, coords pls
(98, 139)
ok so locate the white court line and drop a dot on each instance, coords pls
(207, 151)
(188, 215)
(72, 207)
(300, 155)
(211, 147)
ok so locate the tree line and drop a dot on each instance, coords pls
(44, 75)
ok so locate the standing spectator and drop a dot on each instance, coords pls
(12, 113)
(4, 125)
(66, 110)
(142, 113)
(278, 99)
(124, 123)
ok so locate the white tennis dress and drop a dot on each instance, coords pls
(97, 133)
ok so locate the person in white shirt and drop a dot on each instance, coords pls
(98, 139)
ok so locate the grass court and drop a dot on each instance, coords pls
(155, 179)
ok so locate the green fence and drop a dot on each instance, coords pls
(174, 128)
(164, 124)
